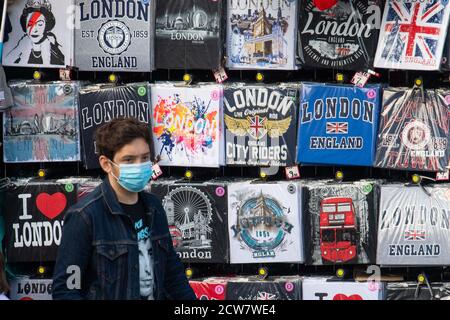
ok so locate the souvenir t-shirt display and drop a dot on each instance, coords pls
(446, 55)
(114, 35)
(188, 34)
(265, 222)
(276, 288)
(414, 130)
(27, 288)
(6, 99)
(85, 185)
(101, 103)
(414, 225)
(340, 222)
(260, 124)
(416, 291)
(210, 288)
(261, 34)
(196, 213)
(315, 288)
(42, 126)
(413, 34)
(339, 35)
(187, 124)
(338, 124)
(34, 213)
(42, 34)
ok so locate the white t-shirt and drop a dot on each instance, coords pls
(3, 297)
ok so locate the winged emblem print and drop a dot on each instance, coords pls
(257, 127)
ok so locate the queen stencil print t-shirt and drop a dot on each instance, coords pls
(146, 275)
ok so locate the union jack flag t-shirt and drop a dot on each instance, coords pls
(413, 34)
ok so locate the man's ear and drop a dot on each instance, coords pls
(105, 164)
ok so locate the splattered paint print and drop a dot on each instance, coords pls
(186, 125)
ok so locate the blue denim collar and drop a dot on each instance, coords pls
(110, 198)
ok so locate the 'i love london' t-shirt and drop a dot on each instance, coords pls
(146, 274)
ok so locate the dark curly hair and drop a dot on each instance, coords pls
(49, 18)
(112, 136)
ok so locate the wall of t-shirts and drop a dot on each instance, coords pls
(140, 36)
(227, 220)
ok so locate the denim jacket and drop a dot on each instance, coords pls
(100, 241)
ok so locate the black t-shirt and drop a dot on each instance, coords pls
(146, 274)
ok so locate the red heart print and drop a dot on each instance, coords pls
(51, 206)
(323, 5)
(341, 296)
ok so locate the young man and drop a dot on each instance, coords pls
(117, 238)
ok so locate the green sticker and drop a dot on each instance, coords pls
(366, 189)
(69, 187)
(142, 91)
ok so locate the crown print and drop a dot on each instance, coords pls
(39, 4)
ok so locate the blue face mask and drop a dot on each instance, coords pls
(134, 177)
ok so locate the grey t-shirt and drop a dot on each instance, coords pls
(119, 39)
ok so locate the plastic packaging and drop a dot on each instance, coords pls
(197, 214)
(415, 291)
(339, 35)
(261, 34)
(121, 38)
(340, 222)
(188, 34)
(414, 130)
(260, 124)
(316, 288)
(414, 225)
(42, 126)
(338, 124)
(413, 34)
(275, 288)
(100, 104)
(188, 124)
(265, 222)
(34, 213)
(46, 41)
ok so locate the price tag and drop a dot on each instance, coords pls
(292, 172)
(220, 75)
(65, 74)
(360, 79)
(157, 172)
(373, 73)
(443, 176)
